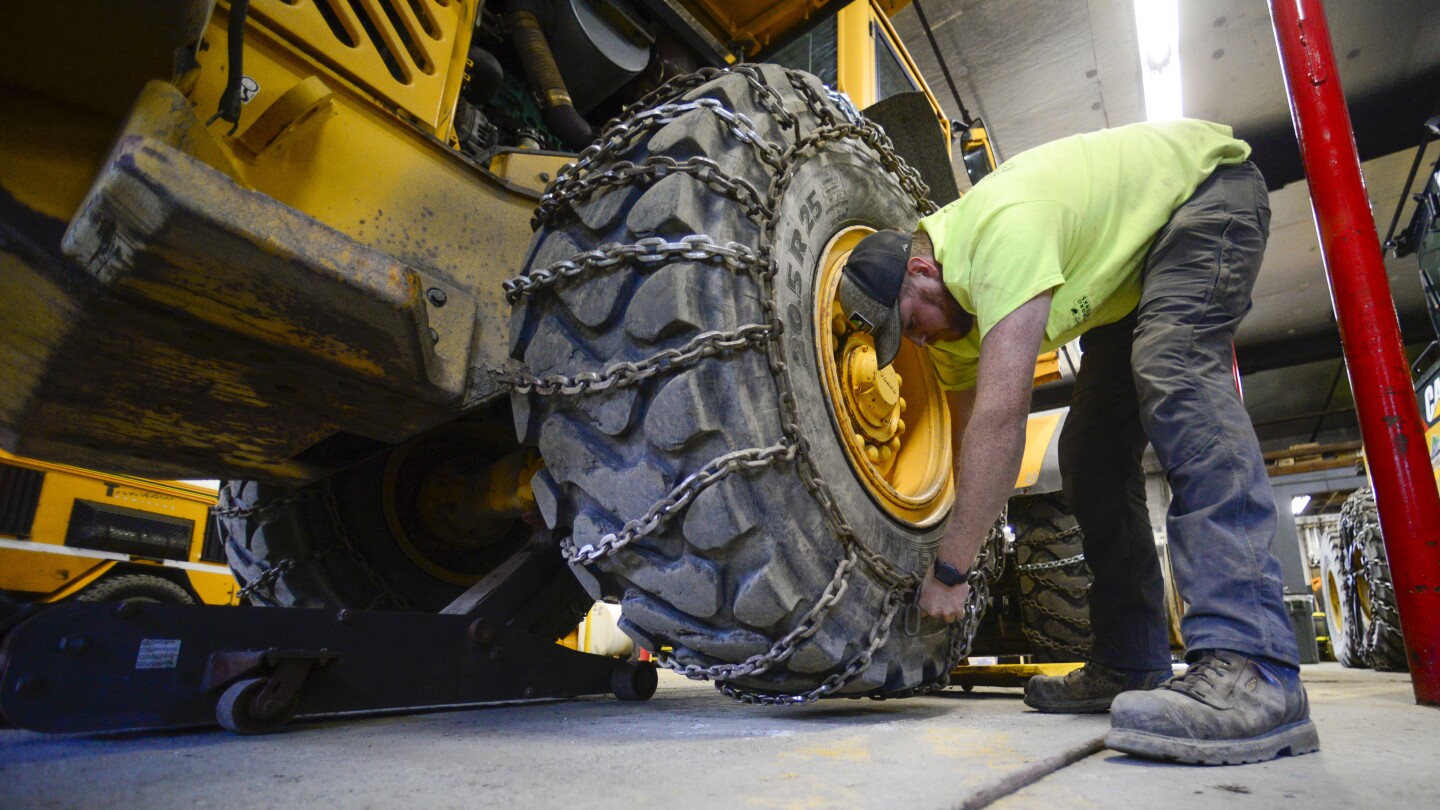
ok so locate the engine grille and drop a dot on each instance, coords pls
(103, 527)
(401, 50)
(19, 498)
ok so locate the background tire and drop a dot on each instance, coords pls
(1382, 644)
(338, 544)
(1054, 602)
(737, 570)
(138, 588)
(1338, 593)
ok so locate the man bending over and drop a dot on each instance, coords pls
(1144, 241)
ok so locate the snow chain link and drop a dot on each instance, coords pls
(1038, 639)
(270, 577)
(577, 182)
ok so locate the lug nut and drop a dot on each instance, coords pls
(872, 453)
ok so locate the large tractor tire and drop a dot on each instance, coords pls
(670, 339)
(1054, 579)
(136, 588)
(1382, 644)
(362, 538)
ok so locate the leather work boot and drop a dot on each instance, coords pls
(1226, 710)
(1089, 689)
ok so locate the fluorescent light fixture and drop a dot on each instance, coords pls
(1157, 23)
(1298, 504)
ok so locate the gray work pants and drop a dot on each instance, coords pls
(1165, 374)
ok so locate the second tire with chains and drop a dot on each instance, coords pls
(1054, 601)
(1377, 622)
(729, 575)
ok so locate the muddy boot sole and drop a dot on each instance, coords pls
(1286, 741)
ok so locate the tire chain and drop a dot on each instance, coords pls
(660, 512)
(578, 181)
(650, 250)
(654, 168)
(703, 345)
(1034, 636)
(1081, 653)
(1046, 566)
(270, 577)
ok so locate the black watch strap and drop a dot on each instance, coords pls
(949, 575)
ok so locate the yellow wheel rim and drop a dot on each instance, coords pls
(893, 422)
(458, 553)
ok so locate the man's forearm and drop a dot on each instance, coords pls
(985, 473)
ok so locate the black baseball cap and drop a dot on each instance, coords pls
(869, 291)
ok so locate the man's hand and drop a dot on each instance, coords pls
(941, 601)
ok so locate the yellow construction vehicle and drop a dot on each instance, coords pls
(496, 308)
(71, 533)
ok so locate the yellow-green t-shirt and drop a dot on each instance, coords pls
(1075, 216)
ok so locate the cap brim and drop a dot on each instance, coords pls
(887, 339)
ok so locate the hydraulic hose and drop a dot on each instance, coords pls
(558, 110)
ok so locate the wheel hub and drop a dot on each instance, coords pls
(893, 420)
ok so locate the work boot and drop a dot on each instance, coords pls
(1227, 709)
(1089, 689)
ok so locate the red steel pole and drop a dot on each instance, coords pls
(1369, 332)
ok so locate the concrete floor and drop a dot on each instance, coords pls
(692, 746)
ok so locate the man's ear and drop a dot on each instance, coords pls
(923, 266)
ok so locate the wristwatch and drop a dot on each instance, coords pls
(949, 575)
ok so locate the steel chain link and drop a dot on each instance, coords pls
(625, 373)
(652, 168)
(679, 497)
(269, 579)
(781, 650)
(247, 511)
(1080, 653)
(650, 250)
(1046, 566)
(621, 133)
(879, 634)
(680, 85)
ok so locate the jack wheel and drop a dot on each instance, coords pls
(237, 712)
(634, 681)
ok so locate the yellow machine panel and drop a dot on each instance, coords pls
(64, 529)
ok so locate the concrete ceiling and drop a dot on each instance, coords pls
(1037, 70)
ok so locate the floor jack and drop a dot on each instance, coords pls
(89, 667)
